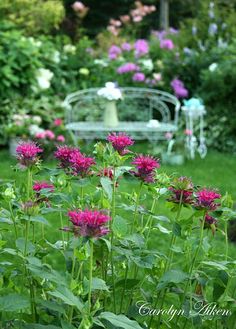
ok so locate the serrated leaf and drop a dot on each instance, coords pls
(119, 321)
(13, 303)
(162, 229)
(52, 306)
(218, 265)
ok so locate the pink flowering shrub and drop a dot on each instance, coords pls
(88, 250)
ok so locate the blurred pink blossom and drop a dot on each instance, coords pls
(61, 138)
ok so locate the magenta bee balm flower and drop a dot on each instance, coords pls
(205, 199)
(28, 153)
(64, 153)
(89, 223)
(80, 164)
(146, 166)
(120, 142)
(38, 186)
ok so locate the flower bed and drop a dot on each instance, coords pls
(108, 267)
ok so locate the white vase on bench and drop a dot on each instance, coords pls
(110, 114)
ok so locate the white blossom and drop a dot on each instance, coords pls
(110, 92)
(213, 67)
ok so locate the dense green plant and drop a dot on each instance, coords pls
(32, 16)
(109, 266)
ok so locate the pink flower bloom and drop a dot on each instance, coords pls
(58, 122)
(61, 138)
(80, 164)
(113, 30)
(188, 132)
(27, 153)
(182, 190)
(167, 44)
(89, 223)
(141, 47)
(40, 135)
(205, 199)
(64, 153)
(127, 67)
(106, 172)
(115, 22)
(138, 76)
(168, 135)
(38, 186)
(49, 134)
(145, 166)
(120, 142)
(78, 6)
(125, 19)
(137, 19)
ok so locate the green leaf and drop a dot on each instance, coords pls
(162, 229)
(218, 290)
(107, 186)
(66, 325)
(119, 226)
(218, 265)
(172, 276)
(20, 244)
(121, 170)
(120, 321)
(13, 303)
(39, 219)
(176, 229)
(39, 326)
(129, 283)
(52, 306)
(97, 284)
(67, 297)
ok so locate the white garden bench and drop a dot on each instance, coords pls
(84, 114)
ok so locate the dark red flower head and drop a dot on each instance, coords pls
(210, 223)
(64, 153)
(89, 223)
(120, 142)
(145, 166)
(205, 199)
(182, 190)
(28, 153)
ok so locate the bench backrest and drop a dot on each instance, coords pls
(138, 104)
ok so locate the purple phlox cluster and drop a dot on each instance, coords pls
(138, 77)
(179, 88)
(126, 46)
(141, 47)
(114, 51)
(127, 67)
(167, 44)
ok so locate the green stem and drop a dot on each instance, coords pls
(113, 214)
(192, 265)
(62, 232)
(26, 235)
(226, 240)
(71, 284)
(136, 207)
(150, 219)
(124, 288)
(90, 276)
(13, 219)
(168, 262)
